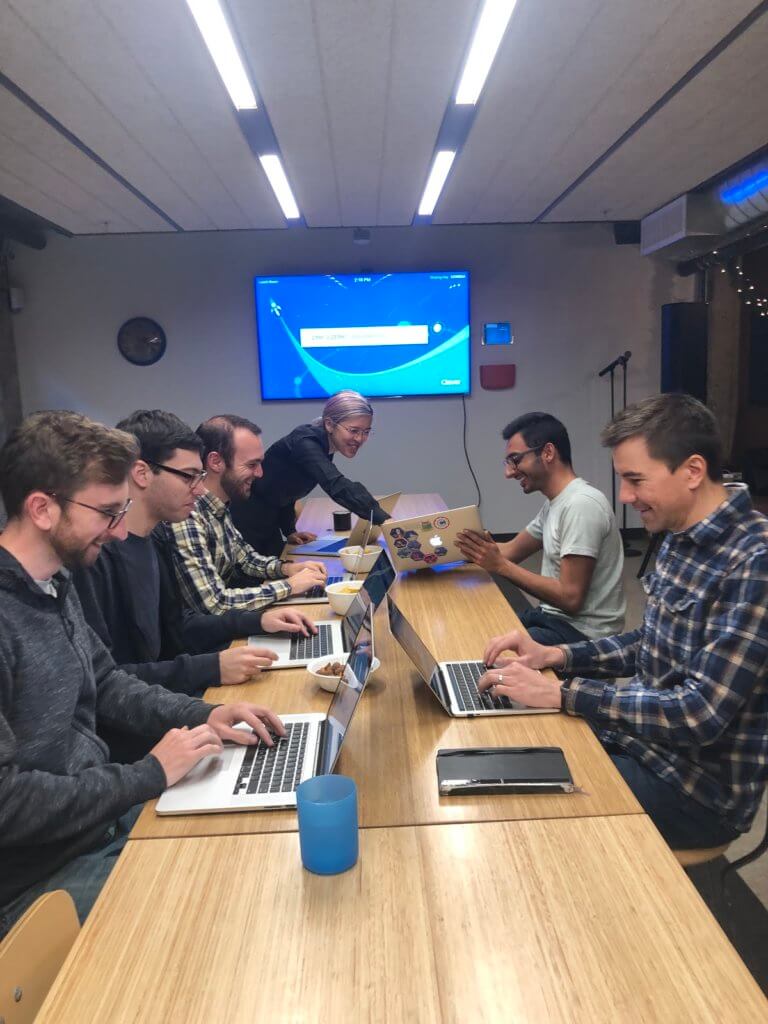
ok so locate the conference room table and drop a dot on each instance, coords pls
(399, 726)
(527, 909)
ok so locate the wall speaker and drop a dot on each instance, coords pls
(684, 348)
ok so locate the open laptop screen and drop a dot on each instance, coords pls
(371, 594)
(417, 651)
(347, 695)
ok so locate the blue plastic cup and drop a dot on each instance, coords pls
(327, 808)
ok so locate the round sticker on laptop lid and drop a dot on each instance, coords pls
(441, 523)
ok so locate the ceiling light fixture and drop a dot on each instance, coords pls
(441, 165)
(273, 168)
(217, 36)
(490, 30)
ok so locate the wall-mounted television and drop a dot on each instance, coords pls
(383, 335)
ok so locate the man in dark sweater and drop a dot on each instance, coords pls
(64, 809)
(130, 594)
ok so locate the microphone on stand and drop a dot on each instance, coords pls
(618, 361)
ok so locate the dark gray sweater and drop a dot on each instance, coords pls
(58, 794)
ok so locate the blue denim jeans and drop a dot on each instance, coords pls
(550, 629)
(83, 878)
(684, 823)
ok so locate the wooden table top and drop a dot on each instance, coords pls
(586, 920)
(398, 726)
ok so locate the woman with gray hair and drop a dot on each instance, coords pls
(296, 463)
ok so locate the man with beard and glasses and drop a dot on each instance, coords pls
(65, 810)
(580, 585)
(217, 570)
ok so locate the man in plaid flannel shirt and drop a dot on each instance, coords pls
(689, 730)
(217, 570)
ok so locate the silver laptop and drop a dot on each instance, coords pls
(423, 542)
(331, 543)
(453, 683)
(259, 777)
(334, 636)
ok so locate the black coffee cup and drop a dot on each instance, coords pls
(342, 521)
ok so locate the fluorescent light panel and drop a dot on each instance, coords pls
(223, 49)
(273, 168)
(441, 165)
(487, 38)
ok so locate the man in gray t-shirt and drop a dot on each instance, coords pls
(580, 585)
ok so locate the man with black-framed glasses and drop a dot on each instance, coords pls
(580, 585)
(130, 594)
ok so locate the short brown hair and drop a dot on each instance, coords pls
(59, 453)
(674, 427)
(218, 435)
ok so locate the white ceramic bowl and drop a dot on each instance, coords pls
(353, 561)
(330, 683)
(339, 597)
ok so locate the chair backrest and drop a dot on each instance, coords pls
(32, 953)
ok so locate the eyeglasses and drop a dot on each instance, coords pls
(357, 432)
(516, 458)
(192, 479)
(115, 518)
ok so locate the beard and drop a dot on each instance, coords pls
(73, 553)
(235, 488)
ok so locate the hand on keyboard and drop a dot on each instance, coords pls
(239, 664)
(261, 720)
(286, 620)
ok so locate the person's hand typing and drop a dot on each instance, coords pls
(293, 568)
(239, 664)
(180, 749)
(264, 723)
(286, 620)
(305, 579)
(518, 681)
(538, 655)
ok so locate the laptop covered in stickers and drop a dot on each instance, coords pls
(426, 541)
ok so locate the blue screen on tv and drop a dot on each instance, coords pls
(379, 334)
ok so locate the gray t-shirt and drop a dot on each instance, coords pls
(580, 521)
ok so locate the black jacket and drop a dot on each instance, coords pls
(109, 601)
(58, 791)
(293, 466)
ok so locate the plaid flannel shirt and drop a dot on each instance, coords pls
(209, 553)
(695, 711)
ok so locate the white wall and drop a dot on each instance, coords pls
(574, 298)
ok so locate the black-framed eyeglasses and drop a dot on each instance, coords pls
(115, 518)
(515, 458)
(191, 479)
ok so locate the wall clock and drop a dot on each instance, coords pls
(141, 341)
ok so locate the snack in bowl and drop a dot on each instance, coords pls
(341, 595)
(328, 670)
(355, 559)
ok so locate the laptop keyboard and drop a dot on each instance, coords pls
(464, 676)
(304, 648)
(319, 591)
(274, 769)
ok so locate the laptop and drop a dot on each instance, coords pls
(423, 542)
(334, 636)
(331, 543)
(453, 683)
(263, 778)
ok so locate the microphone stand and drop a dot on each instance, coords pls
(621, 361)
